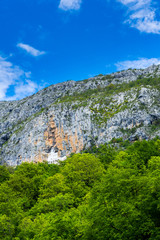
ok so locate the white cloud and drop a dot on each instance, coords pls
(16, 79)
(142, 15)
(9, 74)
(32, 51)
(23, 89)
(70, 4)
(140, 63)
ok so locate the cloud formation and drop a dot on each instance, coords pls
(142, 15)
(70, 4)
(30, 50)
(140, 63)
(15, 78)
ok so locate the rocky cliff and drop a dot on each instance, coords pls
(70, 116)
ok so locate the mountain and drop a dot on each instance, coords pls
(70, 116)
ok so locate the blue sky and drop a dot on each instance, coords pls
(44, 42)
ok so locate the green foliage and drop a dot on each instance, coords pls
(4, 174)
(81, 171)
(28, 178)
(128, 200)
(100, 75)
(102, 114)
(141, 152)
(103, 193)
(107, 77)
(105, 153)
(6, 227)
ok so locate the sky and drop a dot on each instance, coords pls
(44, 42)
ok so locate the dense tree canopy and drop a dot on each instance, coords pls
(107, 193)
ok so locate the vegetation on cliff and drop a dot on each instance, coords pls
(100, 93)
(103, 193)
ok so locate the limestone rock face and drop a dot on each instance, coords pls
(70, 116)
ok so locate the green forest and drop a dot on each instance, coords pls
(110, 192)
